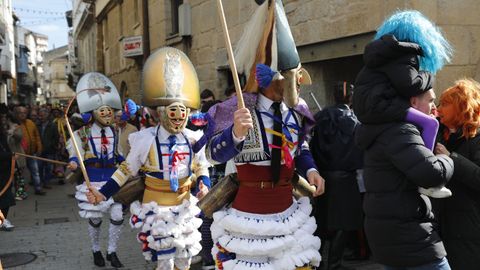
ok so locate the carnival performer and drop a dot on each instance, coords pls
(265, 227)
(407, 51)
(97, 142)
(165, 153)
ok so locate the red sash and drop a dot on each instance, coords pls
(257, 194)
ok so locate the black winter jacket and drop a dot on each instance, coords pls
(337, 157)
(50, 137)
(390, 77)
(7, 199)
(332, 144)
(399, 223)
(459, 215)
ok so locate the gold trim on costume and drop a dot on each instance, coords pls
(165, 198)
(124, 168)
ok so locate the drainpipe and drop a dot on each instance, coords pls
(146, 31)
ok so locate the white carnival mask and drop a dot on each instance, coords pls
(174, 117)
(103, 115)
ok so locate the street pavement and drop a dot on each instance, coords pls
(49, 227)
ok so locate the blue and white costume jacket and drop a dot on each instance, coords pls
(248, 240)
(167, 213)
(101, 159)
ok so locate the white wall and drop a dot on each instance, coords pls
(7, 57)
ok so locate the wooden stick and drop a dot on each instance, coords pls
(75, 146)
(9, 181)
(316, 101)
(42, 159)
(231, 60)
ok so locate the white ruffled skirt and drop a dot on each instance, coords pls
(282, 241)
(167, 231)
(88, 210)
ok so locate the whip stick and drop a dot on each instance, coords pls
(9, 181)
(231, 60)
(315, 100)
(75, 146)
(42, 159)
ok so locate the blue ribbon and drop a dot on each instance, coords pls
(173, 173)
(285, 126)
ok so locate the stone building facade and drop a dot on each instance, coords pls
(54, 80)
(29, 48)
(116, 21)
(330, 37)
(7, 51)
(82, 42)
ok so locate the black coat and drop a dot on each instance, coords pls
(399, 223)
(460, 214)
(50, 137)
(7, 199)
(337, 158)
(390, 77)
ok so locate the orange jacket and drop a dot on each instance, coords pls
(31, 141)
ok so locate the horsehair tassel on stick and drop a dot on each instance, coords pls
(231, 60)
(75, 146)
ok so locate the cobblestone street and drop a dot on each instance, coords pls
(50, 228)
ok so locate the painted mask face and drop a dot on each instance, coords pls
(103, 115)
(174, 117)
(290, 85)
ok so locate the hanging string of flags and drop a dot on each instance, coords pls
(39, 22)
(35, 11)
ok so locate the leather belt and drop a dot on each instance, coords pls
(263, 184)
(98, 165)
(180, 190)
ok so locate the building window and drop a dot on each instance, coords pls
(174, 5)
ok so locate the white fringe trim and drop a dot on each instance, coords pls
(177, 226)
(283, 223)
(273, 250)
(88, 210)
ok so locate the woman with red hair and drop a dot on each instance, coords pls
(459, 215)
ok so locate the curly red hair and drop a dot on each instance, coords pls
(465, 98)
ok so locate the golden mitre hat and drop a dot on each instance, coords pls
(169, 76)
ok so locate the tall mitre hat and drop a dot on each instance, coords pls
(267, 39)
(94, 90)
(169, 76)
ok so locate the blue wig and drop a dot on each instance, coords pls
(412, 26)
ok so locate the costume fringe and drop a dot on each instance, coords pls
(167, 227)
(88, 210)
(282, 241)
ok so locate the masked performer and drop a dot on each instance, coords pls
(97, 143)
(165, 154)
(265, 227)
